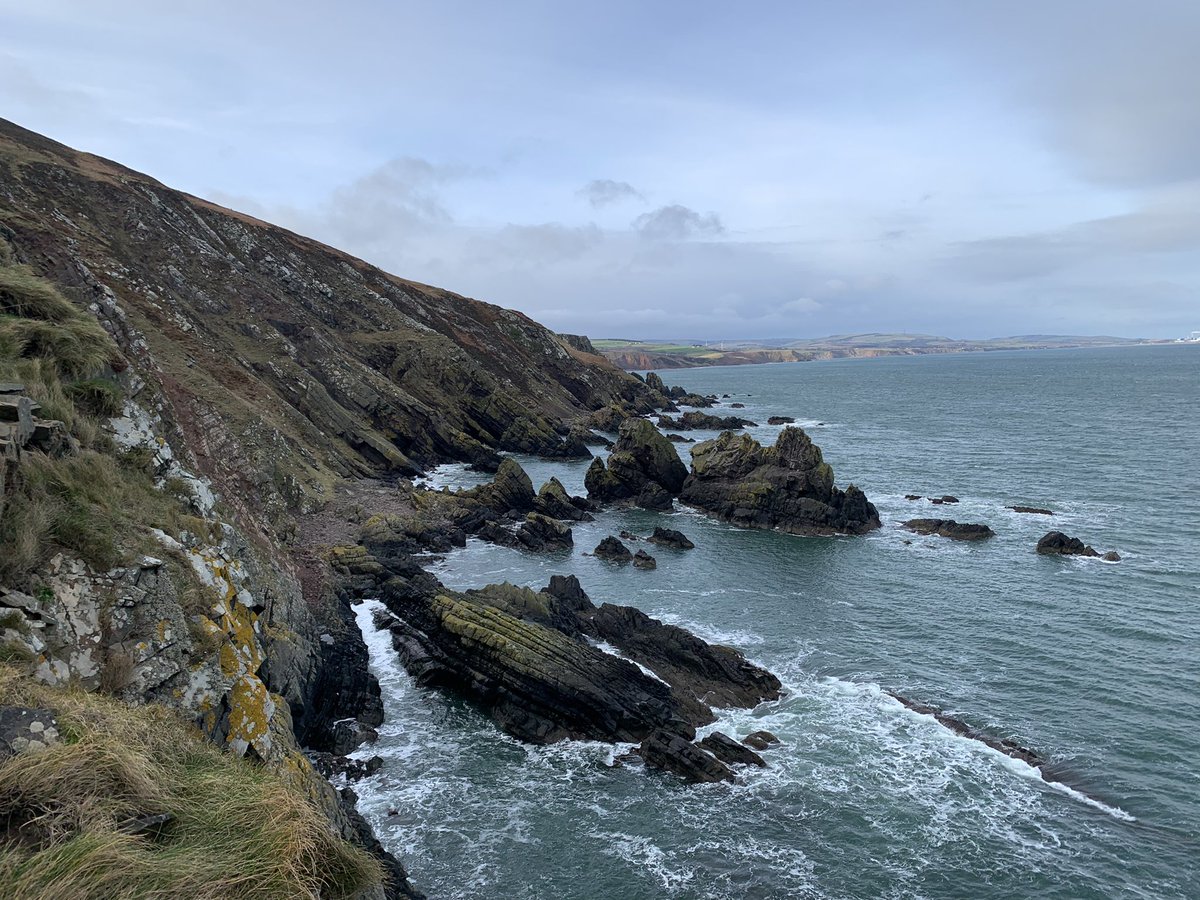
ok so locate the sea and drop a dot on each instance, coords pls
(1096, 665)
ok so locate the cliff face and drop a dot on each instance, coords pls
(238, 381)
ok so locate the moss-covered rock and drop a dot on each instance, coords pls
(788, 487)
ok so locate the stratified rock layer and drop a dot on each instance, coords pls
(788, 487)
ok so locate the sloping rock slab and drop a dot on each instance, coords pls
(948, 528)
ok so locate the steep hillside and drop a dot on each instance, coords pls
(287, 363)
(196, 408)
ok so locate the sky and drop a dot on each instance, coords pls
(674, 170)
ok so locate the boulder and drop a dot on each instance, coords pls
(643, 560)
(1111, 556)
(676, 754)
(669, 537)
(760, 740)
(641, 457)
(730, 752)
(948, 528)
(737, 405)
(781, 420)
(788, 487)
(612, 549)
(654, 496)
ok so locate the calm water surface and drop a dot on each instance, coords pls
(1097, 665)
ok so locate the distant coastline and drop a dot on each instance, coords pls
(642, 355)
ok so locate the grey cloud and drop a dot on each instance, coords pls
(1169, 223)
(677, 223)
(605, 191)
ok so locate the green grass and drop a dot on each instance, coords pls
(238, 830)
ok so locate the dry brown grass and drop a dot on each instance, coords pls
(238, 830)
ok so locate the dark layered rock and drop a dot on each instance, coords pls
(655, 383)
(537, 683)
(674, 753)
(1031, 510)
(1055, 543)
(680, 439)
(781, 420)
(948, 528)
(607, 418)
(669, 537)
(654, 496)
(643, 466)
(643, 560)
(730, 752)
(788, 487)
(537, 436)
(706, 674)
(537, 534)
(554, 501)
(944, 499)
(698, 421)
(737, 405)
(613, 550)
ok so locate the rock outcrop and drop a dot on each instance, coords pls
(781, 420)
(948, 528)
(1055, 543)
(698, 421)
(643, 560)
(643, 469)
(1031, 510)
(612, 549)
(526, 658)
(787, 487)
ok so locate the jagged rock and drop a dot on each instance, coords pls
(1031, 510)
(674, 753)
(330, 766)
(788, 487)
(26, 729)
(948, 528)
(643, 560)
(1057, 543)
(730, 752)
(945, 499)
(608, 418)
(680, 439)
(613, 550)
(541, 533)
(627, 535)
(781, 420)
(760, 740)
(737, 405)
(693, 421)
(641, 457)
(669, 537)
(655, 383)
(511, 489)
(554, 501)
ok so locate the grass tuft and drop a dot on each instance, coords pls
(238, 829)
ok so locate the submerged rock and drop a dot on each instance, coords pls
(760, 740)
(788, 487)
(944, 499)
(948, 528)
(912, 496)
(781, 420)
(1031, 510)
(669, 537)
